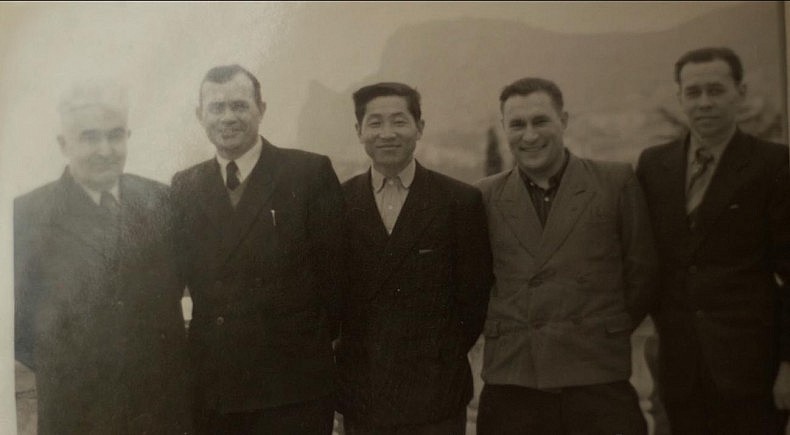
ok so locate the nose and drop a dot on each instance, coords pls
(104, 147)
(704, 100)
(387, 131)
(227, 116)
(529, 134)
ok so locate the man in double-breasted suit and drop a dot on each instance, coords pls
(575, 270)
(420, 270)
(720, 205)
(262, 240)
(97, 291)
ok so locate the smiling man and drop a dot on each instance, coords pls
(97, 290)
(575, 271)
(420, 270)
(261, 240)
(720, 205)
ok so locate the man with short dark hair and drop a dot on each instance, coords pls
(262, 242)
(575, 273)
(720, 205)
(96, 283)
(420, 270)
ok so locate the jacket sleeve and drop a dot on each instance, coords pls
(640, 261)
(473, 268)
(26, 286)
(778, 220)
(326, 228)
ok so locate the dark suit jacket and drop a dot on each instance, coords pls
(567, 296)
(97, 310)
(264, 278)
(416, 302)
(719, 300)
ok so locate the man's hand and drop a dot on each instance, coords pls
(782, 386)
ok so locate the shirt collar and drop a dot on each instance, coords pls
(406, 176)
(716, 149)
(554, 180)
(246, 162)
(95, 195)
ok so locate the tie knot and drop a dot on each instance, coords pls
(109, 203)
(703, 156)
(232, 170)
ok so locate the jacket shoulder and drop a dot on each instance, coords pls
(489, 183)
(453, 187)
(33, 203)
(191, 174)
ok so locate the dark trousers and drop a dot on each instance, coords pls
(309, 418)
(707, 412)
(454, 425)
(605, 409)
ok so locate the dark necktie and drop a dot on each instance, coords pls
(109, 203)
(232, 176)
(700, 172)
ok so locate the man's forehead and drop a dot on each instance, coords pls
(238, 87)
(534, 104)
(714, 71)
(93, 117)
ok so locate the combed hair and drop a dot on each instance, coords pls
(367, 93)
(709, 54)
(530, 85)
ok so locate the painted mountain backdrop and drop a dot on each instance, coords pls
(618, 88)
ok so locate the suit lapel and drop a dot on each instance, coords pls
(77, 214)
(363, 214)
(257, 193)
(516, 207)
(734, 160)
(417, 212)
(674, 165)
(572, 197)
(211, 196)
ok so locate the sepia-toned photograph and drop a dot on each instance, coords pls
(431, 218)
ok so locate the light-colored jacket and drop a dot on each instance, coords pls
(567, 296)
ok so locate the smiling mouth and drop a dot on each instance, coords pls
(531, 148)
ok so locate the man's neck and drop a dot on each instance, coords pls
(713, 140)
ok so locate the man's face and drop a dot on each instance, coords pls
(389, 133)
(230, 115)
(710, 97)
(94, 141)
(534, 131)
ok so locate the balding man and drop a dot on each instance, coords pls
(97, 314)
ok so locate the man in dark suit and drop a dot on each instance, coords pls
(262, 244)
(720, 205)
(420, 266)
(97, 291)
(575, 270)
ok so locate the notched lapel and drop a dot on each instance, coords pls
(76, 214)
(728, 175)
(570, 202)
(211, 196)
(257, 193)
(516, 207)
(417, 213)
(363, 213)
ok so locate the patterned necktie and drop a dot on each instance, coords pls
(109, 203)
(696, 190)
(232, 176)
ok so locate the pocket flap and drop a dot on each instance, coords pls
(491, 328)
(619, 323)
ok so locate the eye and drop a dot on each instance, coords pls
(715, 91)
(692, 92)
(374, 124)
(239, 106)
(400, 123)
(117, 135)
(90, 137)
(516, 124)
(216, 109)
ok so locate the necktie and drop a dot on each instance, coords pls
(700, 172)
(232, 176)
(390, 203)
(109, 203)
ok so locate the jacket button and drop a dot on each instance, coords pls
(220, 320)
(397, 291)
(700, 314)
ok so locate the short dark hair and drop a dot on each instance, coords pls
(530, 85)
(709, 54)
(367, 93)
(224, 73)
